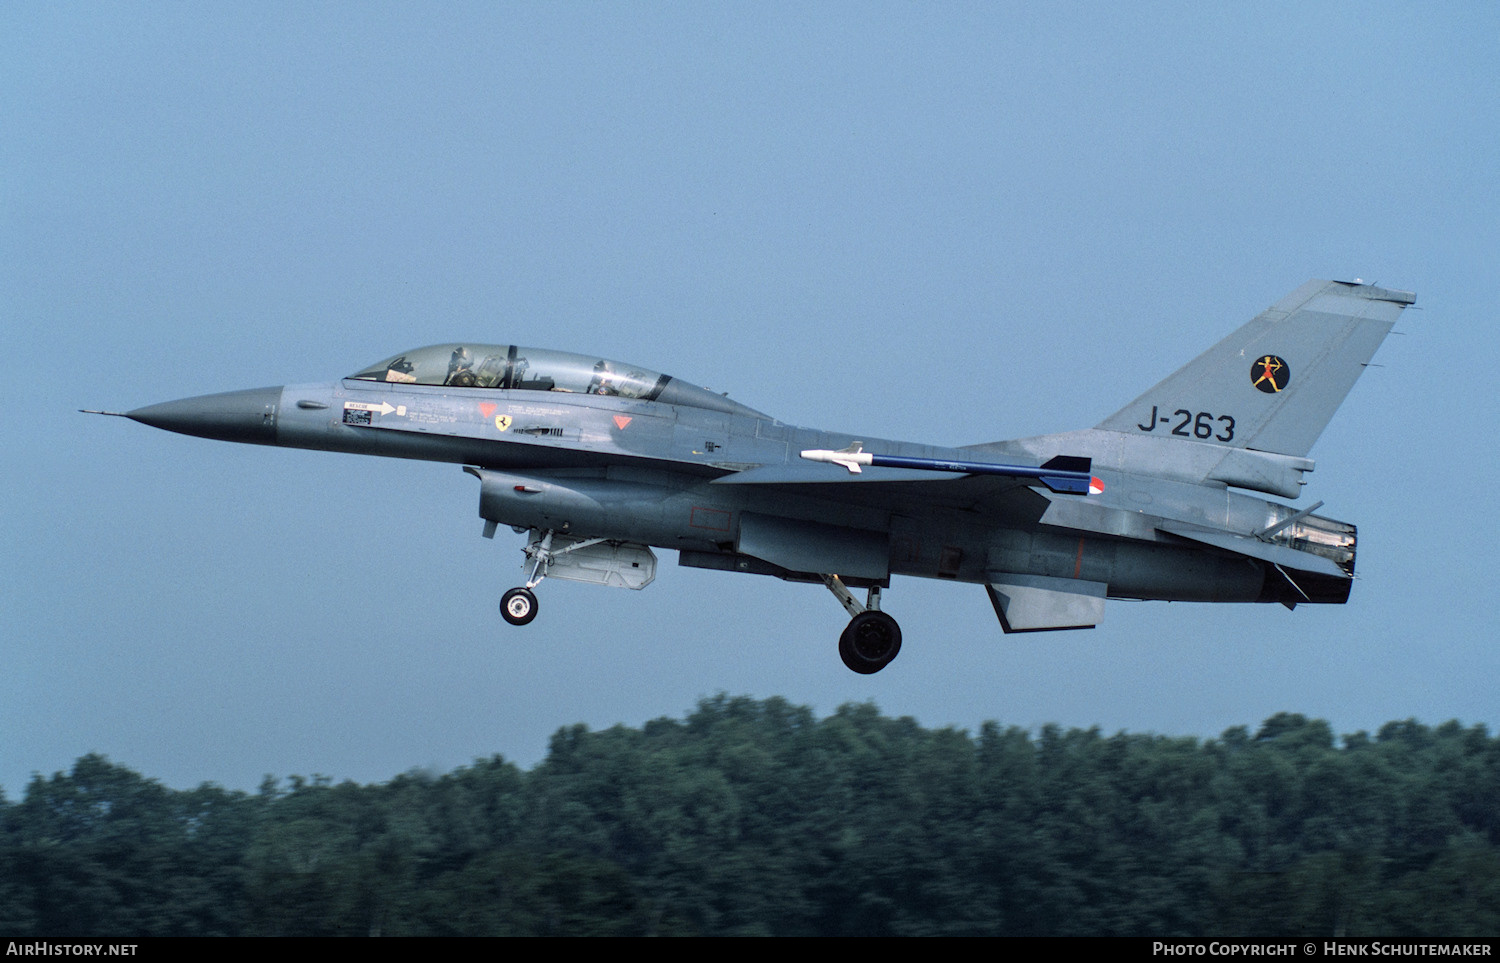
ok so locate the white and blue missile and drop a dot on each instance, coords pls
(1065, 474)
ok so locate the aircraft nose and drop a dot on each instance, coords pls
(246, 416)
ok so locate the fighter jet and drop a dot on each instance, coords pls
(598, 462)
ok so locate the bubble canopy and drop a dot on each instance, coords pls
(510, 367)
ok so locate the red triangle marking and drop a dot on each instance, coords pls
(621, 421)
(486, 408)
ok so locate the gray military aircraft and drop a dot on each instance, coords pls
(596, 462)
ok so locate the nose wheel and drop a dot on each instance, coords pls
(518, 606)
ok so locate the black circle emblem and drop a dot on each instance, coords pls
(1270, 374)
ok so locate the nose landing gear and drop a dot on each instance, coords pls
(598, 561)
(519, 605)
(872, 638)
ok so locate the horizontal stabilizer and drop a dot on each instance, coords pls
(1039, 603)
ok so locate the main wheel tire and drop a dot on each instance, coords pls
(518, 606)
(869, 642)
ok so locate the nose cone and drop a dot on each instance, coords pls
(248, 416)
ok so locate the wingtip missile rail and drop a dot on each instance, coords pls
(1064, 474)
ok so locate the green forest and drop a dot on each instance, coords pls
(751, 817)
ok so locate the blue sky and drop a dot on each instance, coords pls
(951, 223)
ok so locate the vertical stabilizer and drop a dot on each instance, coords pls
(1274, 384)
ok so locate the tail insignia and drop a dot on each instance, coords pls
(1270, 374)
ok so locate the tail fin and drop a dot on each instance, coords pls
(1274, 384)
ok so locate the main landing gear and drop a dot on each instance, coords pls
(872, 639)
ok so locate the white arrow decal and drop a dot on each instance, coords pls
(382, 408)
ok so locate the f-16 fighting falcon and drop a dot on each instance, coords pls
(598, 462)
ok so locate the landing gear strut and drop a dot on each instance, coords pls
(519, 605)
(872, 638)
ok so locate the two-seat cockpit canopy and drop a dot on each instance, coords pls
(510, 367)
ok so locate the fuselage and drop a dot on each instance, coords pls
(598, 462)
(654, 473)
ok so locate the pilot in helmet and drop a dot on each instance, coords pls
(460, 371)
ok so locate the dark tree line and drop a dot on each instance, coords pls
(751, 817)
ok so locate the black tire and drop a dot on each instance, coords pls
(869, 642)
(518, 606)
